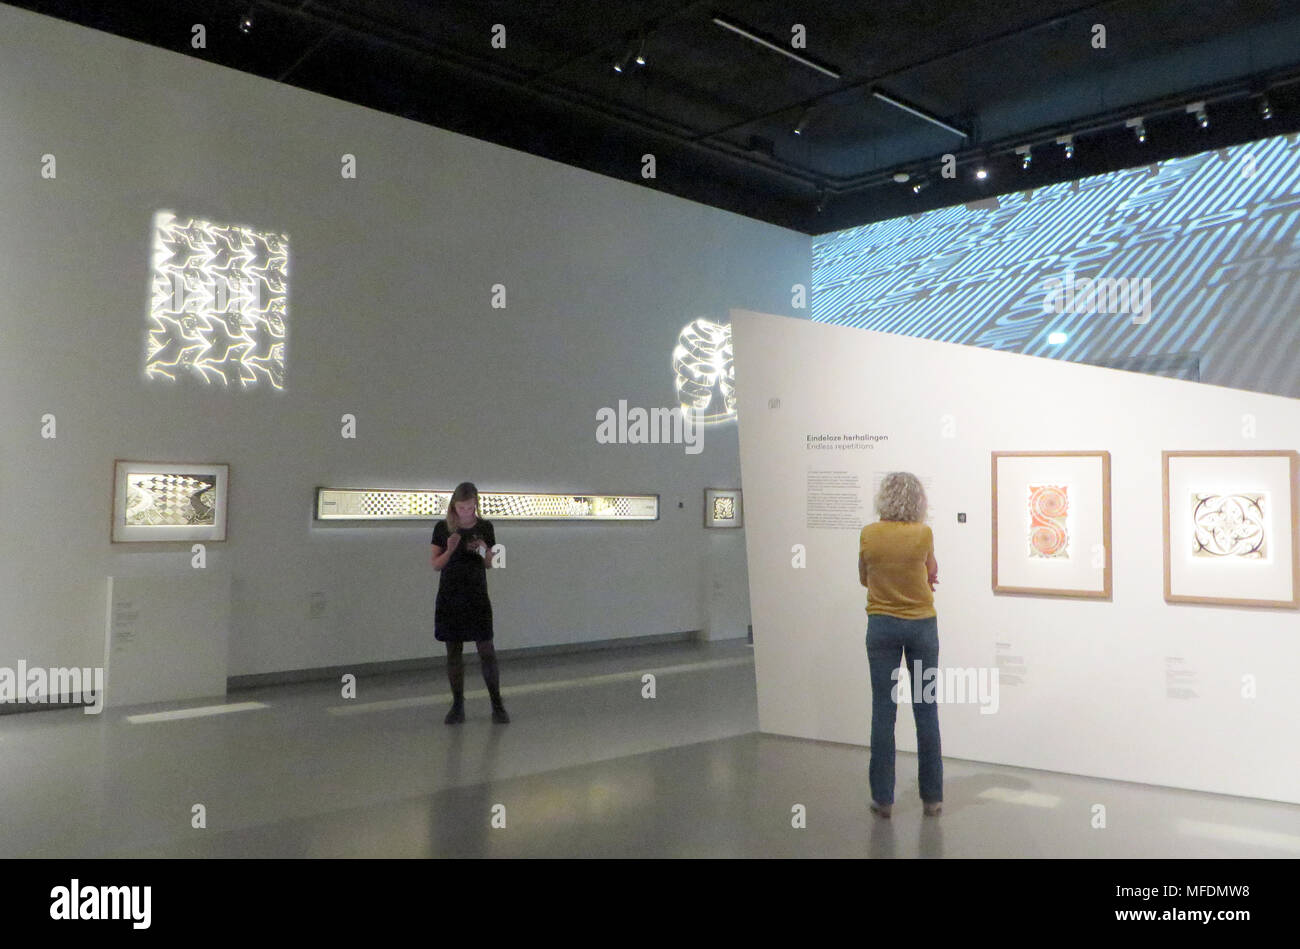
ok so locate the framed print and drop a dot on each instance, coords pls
(1230, 528)
(1051, 523)
(722, 508)
(155, 501)
(376, 504)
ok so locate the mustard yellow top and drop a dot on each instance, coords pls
(894, 555)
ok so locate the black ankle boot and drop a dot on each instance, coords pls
(499, 713)
(457, 713)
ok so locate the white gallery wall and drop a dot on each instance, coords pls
(1134, 688)
(390, 284)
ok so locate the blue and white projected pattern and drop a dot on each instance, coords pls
(219, 304)
(1211, 241)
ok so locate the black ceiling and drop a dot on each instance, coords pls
(718, 110)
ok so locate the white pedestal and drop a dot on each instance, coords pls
(167, 638)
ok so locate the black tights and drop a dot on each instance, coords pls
(487, 658)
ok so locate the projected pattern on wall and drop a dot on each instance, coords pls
(219, 303)
(170, 500)
(1049, 504)
(705, 372)
(1218, 234)
(1229, 525)
(363, 504)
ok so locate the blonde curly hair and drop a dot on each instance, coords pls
(901, 497)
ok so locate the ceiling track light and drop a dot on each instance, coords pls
(741, 31)
(1198, 109)
(920, 186)
(1068, 142)
(912, 110)
(640, 52)
(1138, 125)
(1026, 156)
(803, 121)
(1265, 109)
(246, 22)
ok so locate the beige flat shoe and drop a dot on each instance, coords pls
(934, 810)
(882, 810)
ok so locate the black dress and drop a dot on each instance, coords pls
(463, 612)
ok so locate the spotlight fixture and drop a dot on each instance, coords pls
(246, 22)
(821, 198)
(1265, 109)
(1139, 128)
(1068, 142)
(920, 186)
(1026, 156)
(981, 173)
(803, 121)
(632, 49)
(1198, 109)
(902, 177)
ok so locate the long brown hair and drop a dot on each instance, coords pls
(464, 491)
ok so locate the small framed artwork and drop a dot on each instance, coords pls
(155, 501)
(1051, 523)
(1231, 532)
(722, 508)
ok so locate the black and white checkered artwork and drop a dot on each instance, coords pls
(362, 504)
(170, 500)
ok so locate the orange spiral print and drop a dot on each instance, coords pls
(1048, 506)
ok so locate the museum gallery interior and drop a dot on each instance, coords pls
(678, 290)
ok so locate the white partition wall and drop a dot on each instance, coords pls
(1133, 688)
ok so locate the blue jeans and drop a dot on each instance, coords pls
(889, 639)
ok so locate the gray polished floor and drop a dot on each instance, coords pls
(587, 767)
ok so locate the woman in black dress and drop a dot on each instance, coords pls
(462, 548)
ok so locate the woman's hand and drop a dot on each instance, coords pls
(453, 542)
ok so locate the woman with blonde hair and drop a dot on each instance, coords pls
(896, 564)
(462, 550)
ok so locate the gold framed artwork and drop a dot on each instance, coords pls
(1051, 523)
(164, 501)
(1231, 533)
